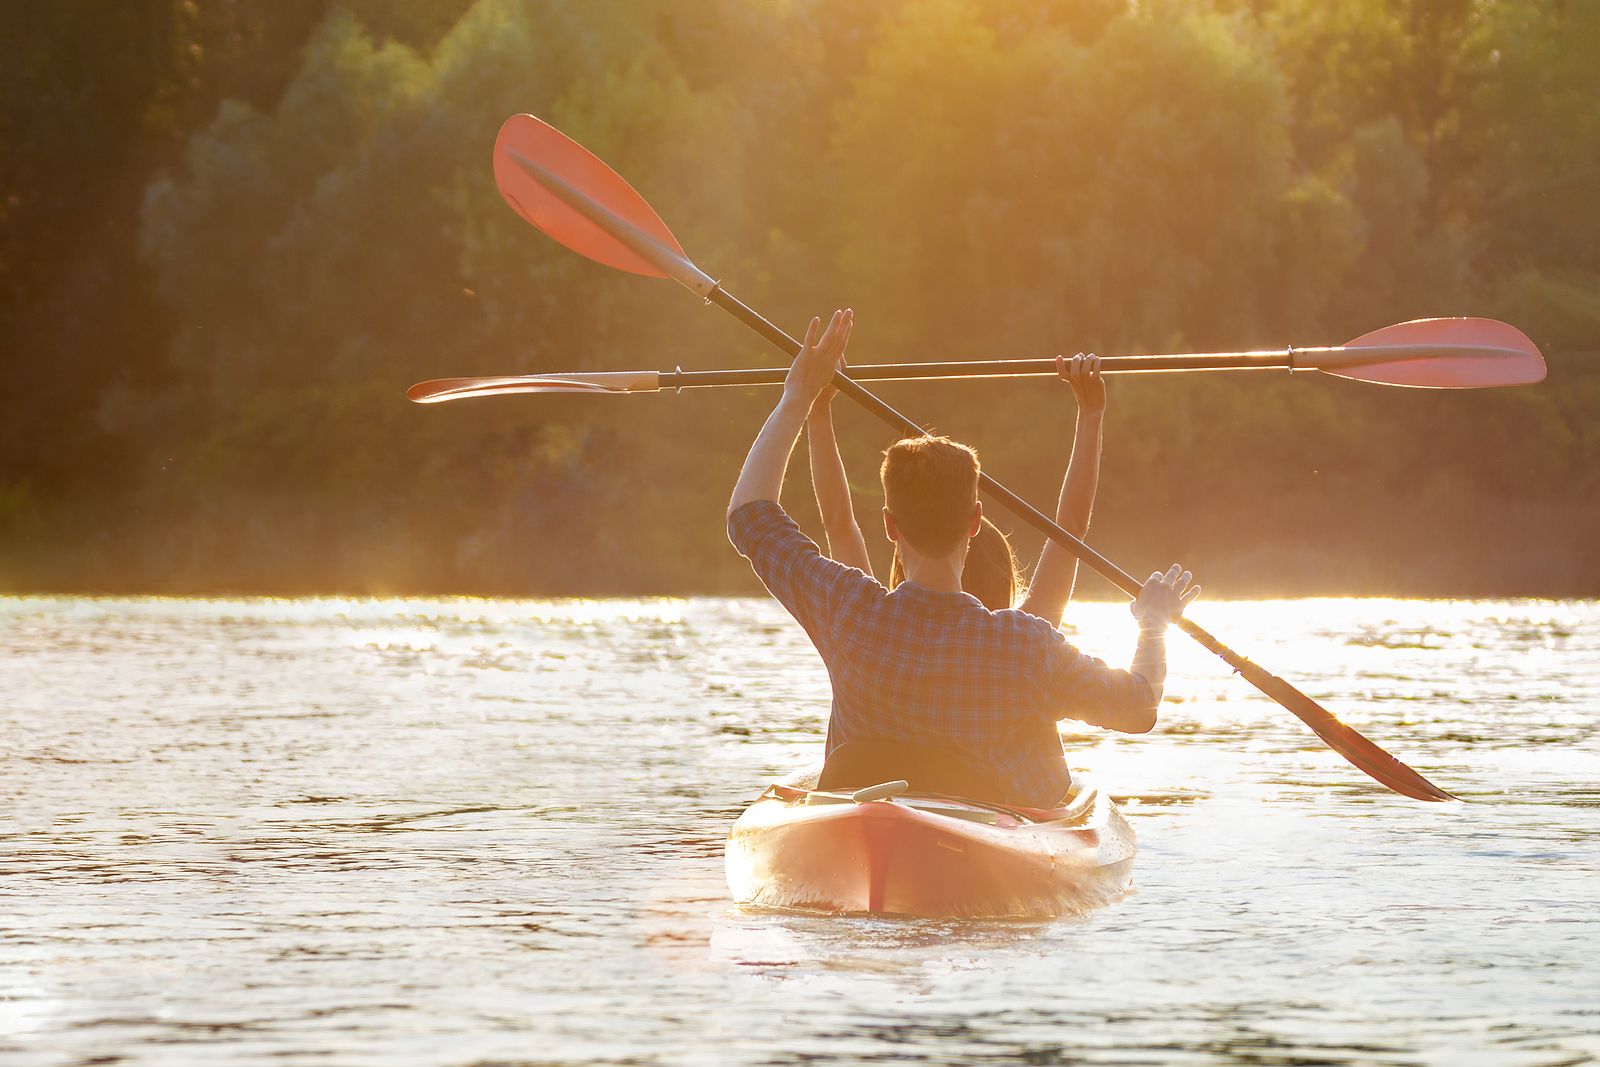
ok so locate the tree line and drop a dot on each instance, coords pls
(231, 235)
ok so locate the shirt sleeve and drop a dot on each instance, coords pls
(797, 574)
(1074, 685)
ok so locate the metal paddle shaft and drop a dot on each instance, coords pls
(985, 368)
(1284, 359)
(1415, 362)
(569, 193)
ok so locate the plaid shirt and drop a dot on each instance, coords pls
(934, 668)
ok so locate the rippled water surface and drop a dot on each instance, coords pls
(456, 832)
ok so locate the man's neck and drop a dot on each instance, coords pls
(941, 575)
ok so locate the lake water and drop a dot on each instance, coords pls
(490, 832)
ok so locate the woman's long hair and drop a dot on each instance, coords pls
(991, 570)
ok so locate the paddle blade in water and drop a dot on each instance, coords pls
(1344, 739)
(1505, 355)
(565, 158)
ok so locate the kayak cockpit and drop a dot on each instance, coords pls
(1079, 806)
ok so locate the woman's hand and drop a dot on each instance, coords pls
(1082, 372)
(824, 399)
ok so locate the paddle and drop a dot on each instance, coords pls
(571, 195)
(1423, 353)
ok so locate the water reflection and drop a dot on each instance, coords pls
(463, 831)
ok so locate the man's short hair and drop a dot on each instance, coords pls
(930, 486)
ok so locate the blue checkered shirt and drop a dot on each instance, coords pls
(930, 668)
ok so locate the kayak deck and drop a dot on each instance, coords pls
(928, 855)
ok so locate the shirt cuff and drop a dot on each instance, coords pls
(747, 521)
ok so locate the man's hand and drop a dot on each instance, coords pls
(1163, 598)
(761, 477)
(813, 368)
(1082, 372)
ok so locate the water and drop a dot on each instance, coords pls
(486, 832)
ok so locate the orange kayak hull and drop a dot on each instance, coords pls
(936, 857)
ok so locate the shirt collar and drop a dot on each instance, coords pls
(921, 594)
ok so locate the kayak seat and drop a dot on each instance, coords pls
(856, 764)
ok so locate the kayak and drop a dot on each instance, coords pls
(886, 851)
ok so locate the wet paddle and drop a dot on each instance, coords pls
(570, 194)
(1425, 353)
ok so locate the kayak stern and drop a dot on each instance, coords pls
(927, 856)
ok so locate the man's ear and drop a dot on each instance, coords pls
(977, 519)
(889, 529)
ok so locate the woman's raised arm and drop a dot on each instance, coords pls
(832, 488)
(1053, 579)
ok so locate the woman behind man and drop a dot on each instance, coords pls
(991, 572)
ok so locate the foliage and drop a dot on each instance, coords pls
(319, 228)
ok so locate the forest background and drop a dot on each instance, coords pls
(232, 233)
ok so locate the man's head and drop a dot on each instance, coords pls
(930, 491)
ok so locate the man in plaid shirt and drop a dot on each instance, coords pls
(926, 664)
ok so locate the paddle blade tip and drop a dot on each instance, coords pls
(425, 393)
(439, 390)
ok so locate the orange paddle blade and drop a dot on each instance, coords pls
(1506, 355)
(577, 166)
(1345, 739)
